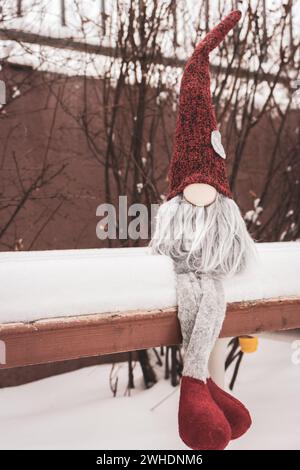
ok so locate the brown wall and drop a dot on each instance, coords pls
(43, 127)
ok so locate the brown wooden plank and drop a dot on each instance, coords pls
(64, 338)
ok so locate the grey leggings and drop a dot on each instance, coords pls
(201, 312)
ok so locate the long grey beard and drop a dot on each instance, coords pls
(211, 240)
(206, 244)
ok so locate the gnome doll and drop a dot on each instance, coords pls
(201, 228)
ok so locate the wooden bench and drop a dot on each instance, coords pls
(58, 339)
(53, 304)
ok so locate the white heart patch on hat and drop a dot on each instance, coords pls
(215, 139)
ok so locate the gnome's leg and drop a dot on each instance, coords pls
(202, 424)
(201, 311)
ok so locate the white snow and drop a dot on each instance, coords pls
(77, 411)
(275, 273)
(49, 284)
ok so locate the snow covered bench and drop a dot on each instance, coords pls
(58, 305)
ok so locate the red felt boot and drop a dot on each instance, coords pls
(202, 425)
(236, 413)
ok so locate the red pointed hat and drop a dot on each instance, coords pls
(198, 155)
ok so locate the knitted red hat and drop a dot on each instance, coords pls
(198, 155)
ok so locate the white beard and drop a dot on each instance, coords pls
(209, 240)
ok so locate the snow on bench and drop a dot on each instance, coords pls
(46, 284)
(56, 305)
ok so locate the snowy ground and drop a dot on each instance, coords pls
(77, 411)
